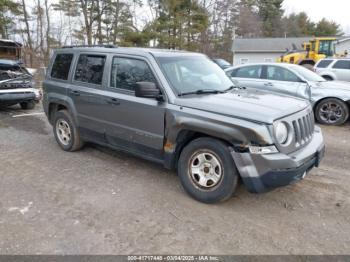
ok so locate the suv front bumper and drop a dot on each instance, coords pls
(261, 173)
(18, 95)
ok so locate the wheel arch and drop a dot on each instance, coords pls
(56, 105)
(185, 137)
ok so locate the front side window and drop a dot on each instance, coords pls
(281, 74)
(194, 73)
(248, 72)
(342, 64)
(324, 63)
(126, 72)
(90, 69)
(61, 66)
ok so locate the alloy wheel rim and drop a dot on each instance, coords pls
(63, 131)
(205, 169)
(331, 113)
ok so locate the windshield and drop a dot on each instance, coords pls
(308, 74)
(195, 73)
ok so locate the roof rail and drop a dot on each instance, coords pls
(77, 46)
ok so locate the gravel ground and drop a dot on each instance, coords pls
(98, 201)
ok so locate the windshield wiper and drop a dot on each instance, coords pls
(202, 91)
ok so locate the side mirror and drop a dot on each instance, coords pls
(147, 90)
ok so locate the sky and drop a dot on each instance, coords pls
(334, 10)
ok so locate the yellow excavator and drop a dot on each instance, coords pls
(314, 50)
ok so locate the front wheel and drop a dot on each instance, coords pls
(207, 170)
(27, 105)
(332, 111)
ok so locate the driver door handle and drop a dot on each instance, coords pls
(113, 101)
(268, 84)
(75, 93)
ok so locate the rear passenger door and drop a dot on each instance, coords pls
(85, 91)
(248, 76)
(342, 70)
(134, 123)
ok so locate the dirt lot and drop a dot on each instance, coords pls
(98, 201)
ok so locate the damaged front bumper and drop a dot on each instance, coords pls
(19, 95)
(263, 172)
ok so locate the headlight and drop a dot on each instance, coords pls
(281, 132)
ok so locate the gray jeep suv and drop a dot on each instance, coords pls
(181, 110)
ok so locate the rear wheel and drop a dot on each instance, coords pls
(27, 105)
(207, 170)
(332, 111)
(66, 133)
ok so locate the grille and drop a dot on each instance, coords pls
(303, 129)
(301, 126)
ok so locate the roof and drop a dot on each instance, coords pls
(6, 42)
(129, 50)
(267, 45)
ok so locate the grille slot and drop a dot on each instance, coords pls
(303, 129)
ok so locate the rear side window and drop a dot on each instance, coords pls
(342, 64)
(126, 72)
(90, 69)
(61, 66)
(247, 72)
(324, 63)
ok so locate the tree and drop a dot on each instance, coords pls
(179, 24)
(327, 28)
(296, 25)
(7, 8)
(270, 13)
(28, 32)
(249, 22)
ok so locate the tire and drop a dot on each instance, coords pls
(27, 105)
(328, 78)
(221, 167)
(332, 111)
(66, 132)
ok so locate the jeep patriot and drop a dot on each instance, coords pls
(181, 110)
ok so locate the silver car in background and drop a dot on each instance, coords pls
(330, 100)
(334, 69)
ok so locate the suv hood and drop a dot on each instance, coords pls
(253, 105)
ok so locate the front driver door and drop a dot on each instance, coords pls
(136, 124)
(281, 80)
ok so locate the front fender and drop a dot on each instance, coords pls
(184, 125)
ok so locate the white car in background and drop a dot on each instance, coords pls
(329, 99)
(334, 69)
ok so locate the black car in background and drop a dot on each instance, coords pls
(222, 63)
(17, 85)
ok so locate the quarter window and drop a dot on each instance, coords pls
(342, 64)
(247, 72)
(126, 72)
(61, 66)
(90, 69)
(281, 74)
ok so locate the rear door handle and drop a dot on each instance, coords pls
(268, 84)
(75, 93)
(113, 101)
